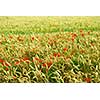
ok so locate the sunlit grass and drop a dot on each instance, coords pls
(47, 24)
(59, 56)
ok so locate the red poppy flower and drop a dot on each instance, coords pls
(74, 35)
(1, 60)
(44, 64)
(40, 60)
(85, 42)
(26, 58)
(12, 59)
(73, 39)
(88, 80)
(6, 69)
(32, 38)
(81, 31)
(17, 63)
(92, 44)
(37, 58)
(56, 54)
(65, 49)
(19, 38)
(49, 64)
(82, 34)
(27, 61)
(10, 36)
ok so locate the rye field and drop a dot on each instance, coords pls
(49, 49)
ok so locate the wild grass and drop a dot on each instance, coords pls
(48, 24)
(59, 56)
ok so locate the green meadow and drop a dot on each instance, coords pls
(49, 49)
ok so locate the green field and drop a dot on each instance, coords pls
(50, 49)
(48, 24)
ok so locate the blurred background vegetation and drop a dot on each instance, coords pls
(48, 24)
